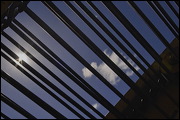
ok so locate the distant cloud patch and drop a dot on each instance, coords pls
(86, 71)
(106, 72)
(96, 105)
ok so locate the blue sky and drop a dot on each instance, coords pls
(69, 37)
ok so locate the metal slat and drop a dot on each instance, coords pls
(96, 50)
(163, 19)
(177, 3)
(101, 36)
(47, 70)
(105, 40)
(59, 60)
(14, 9)
(116, 41)
(52, 74)
(117, 92)
(135, 33)
(166, 15)
(41, 77)
(89, 43)
(96, 31)
(64, 64)
(131, 85)
(92, 46)
(143, 42)
(4, 116)
(31, 95)
(121, 46)
(172, 8)
(125, 40)
(78, 83)
(41, 85)
(50, 84)
(16, 107)
(153, 28)
(146, 82)
(75, 77)
(89, 90)
(77, 56)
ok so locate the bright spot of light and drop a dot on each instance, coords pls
(22, 56)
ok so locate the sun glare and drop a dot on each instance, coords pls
(23, 57)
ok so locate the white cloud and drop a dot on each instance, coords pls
(136, 67)
(96, 105)
(109, 74)
(86, 73)
(94, 65)
(135, 55)
(129, 73)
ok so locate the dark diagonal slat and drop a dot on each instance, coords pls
(96, 50)
(140, 38)
(31, 95)
(177, 3)
(41, 77)
(106, 60)
(114, 39)
(153, 28)
(15, 106)
(125, 40)
(129, 44)
(172, 8)
(89, 43)
(138, 54)
(59, 60)
(33, 79)
(99, 53)
(166, 15)
(4, 116)
(163, 19)
(25, 34)
(74, 79)
(135, 33)
(118, 42)
(104, 39)
(95, 95)
(77, 56)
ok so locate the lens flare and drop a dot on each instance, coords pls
(23, 57)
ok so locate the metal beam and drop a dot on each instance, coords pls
(31, 95)
(15, 106)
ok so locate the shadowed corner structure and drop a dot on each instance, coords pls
(161, 98)
(168, 102)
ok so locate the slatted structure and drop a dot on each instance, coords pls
(61, 39)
